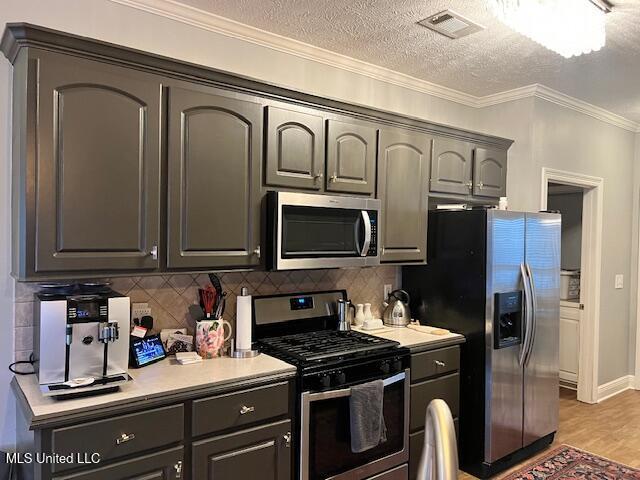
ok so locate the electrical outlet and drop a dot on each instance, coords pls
(387, 290)
(619, 281)
(139, 310)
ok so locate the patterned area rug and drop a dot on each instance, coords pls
(569, 463)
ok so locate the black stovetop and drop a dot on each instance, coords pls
(324, 346)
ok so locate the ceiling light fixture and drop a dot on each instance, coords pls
(568, 27)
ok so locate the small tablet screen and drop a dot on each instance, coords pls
(147, 350)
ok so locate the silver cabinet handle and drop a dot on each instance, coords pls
(178, 468)
(439, 363)
(470, 184)
(480, 185)
(333, 178)
(318, 176)
(244, 410)
(154, 252)
(287, 439)
(124, 438)
(257, 251)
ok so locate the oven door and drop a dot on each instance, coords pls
(325, 444)
(320, 231)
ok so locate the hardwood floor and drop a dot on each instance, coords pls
(610, 429)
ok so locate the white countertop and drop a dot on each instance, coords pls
(413, 339)
(153, 382)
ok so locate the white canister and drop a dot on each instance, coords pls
(367, 312)
(358, 320)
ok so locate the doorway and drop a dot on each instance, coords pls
(580, 196)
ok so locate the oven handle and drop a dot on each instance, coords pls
(346, 392)
(367, 233)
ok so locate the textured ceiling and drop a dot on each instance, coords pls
(385, 33)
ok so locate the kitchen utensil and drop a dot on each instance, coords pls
(215, 281)
(207, 300)
(196, 312)
(221, 304)
(345, 315)
(396, 312)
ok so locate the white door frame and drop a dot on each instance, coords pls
(591, 266)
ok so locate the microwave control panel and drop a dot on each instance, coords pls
(373, 246)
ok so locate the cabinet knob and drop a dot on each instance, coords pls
(154, 252)
(244, 409)
(287, 439)
(470, 184)
(178, 468)
(257, 251)
(333, 178)
(480, 185)
(439, 363)
(124, 438)
(318, 176)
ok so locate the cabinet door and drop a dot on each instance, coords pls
(262, 452)
(490, 172)
(403, 174)
(214, 155)
(451, 166)
(295, 149)
(98, 163)
(351, 157)
(164, 465)
(569, 349)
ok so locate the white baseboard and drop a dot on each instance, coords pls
(615, 387)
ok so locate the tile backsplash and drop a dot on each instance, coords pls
(169, 296)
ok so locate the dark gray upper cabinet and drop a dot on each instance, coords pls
(351, 157)
(262, 452)
(490, 172)
(98, 166)
(214, 149)
(451, 166)
(403, 176)
(295, 148)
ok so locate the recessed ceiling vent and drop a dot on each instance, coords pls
(451, 24)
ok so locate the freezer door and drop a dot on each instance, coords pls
(541, 377)
(503, 413)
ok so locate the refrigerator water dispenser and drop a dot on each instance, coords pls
(507, 327)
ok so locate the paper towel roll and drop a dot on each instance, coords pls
(243, 320)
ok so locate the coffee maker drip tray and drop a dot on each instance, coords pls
(97, 386)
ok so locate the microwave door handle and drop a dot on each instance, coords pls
(367, 233)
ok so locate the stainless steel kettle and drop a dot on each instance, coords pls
(397, 313)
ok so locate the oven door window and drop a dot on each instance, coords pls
(330, 437)
(314, 232)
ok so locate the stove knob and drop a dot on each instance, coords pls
(324, 380)
(384, 367)
(339, 378)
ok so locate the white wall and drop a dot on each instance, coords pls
(548, 135)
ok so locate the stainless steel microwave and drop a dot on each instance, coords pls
(320, 231)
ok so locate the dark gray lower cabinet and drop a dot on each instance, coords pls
(164, 465)
(96, 134)
(403, 176)
(434, 374)
(261, 453)
(214, 150)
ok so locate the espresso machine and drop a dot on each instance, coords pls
(81, 342)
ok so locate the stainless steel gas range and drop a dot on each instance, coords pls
(302, 329)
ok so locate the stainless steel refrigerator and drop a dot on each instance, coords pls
(494, 276)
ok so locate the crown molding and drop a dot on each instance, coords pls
(214, 23)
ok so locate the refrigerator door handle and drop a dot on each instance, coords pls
(527, 316)
(534, 306)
